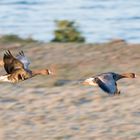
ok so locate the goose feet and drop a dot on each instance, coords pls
(118, 92)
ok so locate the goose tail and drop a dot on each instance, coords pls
(4, 78)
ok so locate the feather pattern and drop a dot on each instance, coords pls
(15, 67)
(11, 63)
(21, 57)
(107, 83)
(102, 85)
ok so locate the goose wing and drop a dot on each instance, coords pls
(106, 83)
(11, 63)
(21, 57)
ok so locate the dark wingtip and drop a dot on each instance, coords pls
(7, 55)
(21, 53)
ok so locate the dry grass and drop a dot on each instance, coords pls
(59, 107)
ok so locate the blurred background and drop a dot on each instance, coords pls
(79, 39)
(99, 20)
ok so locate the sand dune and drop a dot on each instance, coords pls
(60, 108)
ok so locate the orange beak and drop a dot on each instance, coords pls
(52, 70)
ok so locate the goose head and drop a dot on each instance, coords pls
(124, 75)
(45, 72)
(42, 72)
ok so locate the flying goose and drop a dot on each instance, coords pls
(107, 81)
(17, 68)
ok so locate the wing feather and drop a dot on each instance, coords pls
(107, 83)
(102, 85)
(21, 57)
(11, 63)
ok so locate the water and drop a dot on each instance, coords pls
(98, 20)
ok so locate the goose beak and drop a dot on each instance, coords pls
(133, 75)
(50, 72)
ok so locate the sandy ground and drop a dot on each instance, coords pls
(59, 107)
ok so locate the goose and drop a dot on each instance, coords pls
(17, 68)
(107, 81)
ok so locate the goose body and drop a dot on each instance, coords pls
(17, 68)
(107, 81)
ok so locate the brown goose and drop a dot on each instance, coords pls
(107, 81)
(17, 68)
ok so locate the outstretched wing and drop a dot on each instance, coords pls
(11, 63)
(102, 85)
(107, 83)
(21, 57)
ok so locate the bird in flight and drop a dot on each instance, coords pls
(17, 68)
(108, 81)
